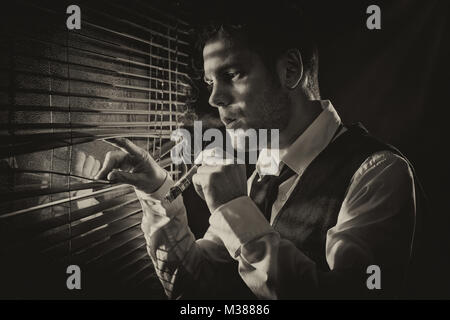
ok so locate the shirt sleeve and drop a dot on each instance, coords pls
(374, 227)
(186, 268)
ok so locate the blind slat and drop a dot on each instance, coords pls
(59, 202)
(78, 245)
(131, 258)
(106, 84)
(22, 144)
(21, 225)
(130, 23)
(83, 95)
(112, 70)
(82, 234)
(62, 94)
(89, 125)
(103, 248)
(18, 195)
(109, 258)
(130, 272)
(93, 110)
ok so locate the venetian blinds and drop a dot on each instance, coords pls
(62, 92)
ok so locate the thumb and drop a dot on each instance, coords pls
(122, 177)
(198, 186)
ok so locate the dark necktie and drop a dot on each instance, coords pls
(265, 192)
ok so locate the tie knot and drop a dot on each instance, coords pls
(264, 191)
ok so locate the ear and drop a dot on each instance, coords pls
(293, 68)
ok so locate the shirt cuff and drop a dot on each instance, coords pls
(160, 193)
(156, 204)
(238, 222)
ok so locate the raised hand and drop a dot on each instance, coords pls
(132, 165)
(218, 180)
(85, 166)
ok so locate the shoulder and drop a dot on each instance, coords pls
(387, 164)
(383, 179)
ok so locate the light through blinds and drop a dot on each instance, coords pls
(62, 93)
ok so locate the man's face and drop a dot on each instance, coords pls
(247, 94)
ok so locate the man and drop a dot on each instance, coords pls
(340, 201)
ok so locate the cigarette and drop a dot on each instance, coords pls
(182, 184)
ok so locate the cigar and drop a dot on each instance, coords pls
(182, 184)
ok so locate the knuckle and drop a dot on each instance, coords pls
(121, 142)
(200, 170)
(145, 155)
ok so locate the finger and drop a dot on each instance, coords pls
(196, 181)
(96, 168)
(214, 156)
(80, 158)
(127, 146)
(128, 163)
(88, 166)
(123, 177)
(207, 169)
(112, 160)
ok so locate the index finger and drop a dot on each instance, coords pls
(127, 146)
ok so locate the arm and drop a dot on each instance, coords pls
(186, 268)
(375, 226)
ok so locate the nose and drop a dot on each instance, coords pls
(220, 97)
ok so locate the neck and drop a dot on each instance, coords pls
(302, 115)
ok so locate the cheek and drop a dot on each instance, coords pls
(245, 99)
(254, 100)
(243, 94)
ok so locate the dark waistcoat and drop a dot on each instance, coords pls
(313, 207)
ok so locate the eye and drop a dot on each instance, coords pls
(233, 75)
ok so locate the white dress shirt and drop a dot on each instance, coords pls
(371, 218)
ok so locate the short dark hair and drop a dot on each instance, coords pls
(267, 29)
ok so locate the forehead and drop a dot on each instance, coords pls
(222, 52)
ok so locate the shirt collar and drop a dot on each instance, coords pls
(305, 148)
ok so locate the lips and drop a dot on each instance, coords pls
(228, 121)
(235, 124)
(232, 119)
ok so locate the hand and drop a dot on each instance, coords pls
(220, 184)
(132, 165)
(86, 166)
